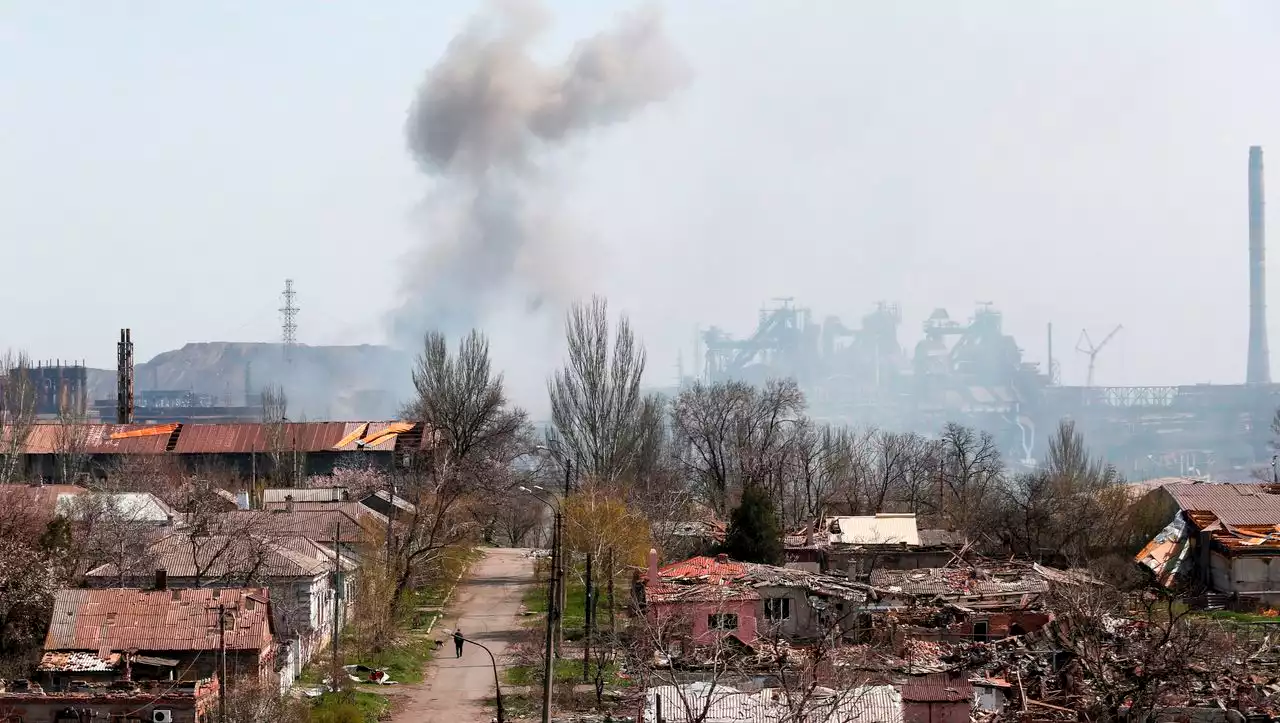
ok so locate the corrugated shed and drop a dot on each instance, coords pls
(882, 529)
(52, 437)
(937, 688)
(1234, 504)
(719, 703)
(247, 438)
(156, 620)
(278, 495)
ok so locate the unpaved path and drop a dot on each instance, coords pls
(486, 607)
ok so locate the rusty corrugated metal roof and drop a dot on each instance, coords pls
(36, 499)
(246, 438)
(1234, 504)
(52, 437)
(938, 688)
(154, 620)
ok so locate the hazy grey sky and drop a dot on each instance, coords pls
(165, 166)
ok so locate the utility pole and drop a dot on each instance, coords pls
(565, 557)
(586, 626)
(338, 584)
(552, 600)
(613, 625)
(222, 653)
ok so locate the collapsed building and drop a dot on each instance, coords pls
(1220, 538)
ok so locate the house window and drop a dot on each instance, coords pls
(723, 621)
(980, 630)
(777, 609)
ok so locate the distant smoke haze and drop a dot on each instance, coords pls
(484, 127)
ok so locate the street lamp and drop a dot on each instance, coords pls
(497, 687)
(563, 458)
(552, 599)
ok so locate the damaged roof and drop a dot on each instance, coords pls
(958, 583)
(1233, 504)
(121, 619)
(78, 662)
(719, 578)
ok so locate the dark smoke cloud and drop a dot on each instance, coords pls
(485, 122)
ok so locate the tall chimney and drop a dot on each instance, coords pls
(1259, 371)
(124, 378)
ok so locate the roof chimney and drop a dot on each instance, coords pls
(162, 579)
(288, 503)
(722, 558)
(1259, 366)
(653, 566)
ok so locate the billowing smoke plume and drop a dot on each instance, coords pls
(484, 125)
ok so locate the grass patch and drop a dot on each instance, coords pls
(574, 618)
(349, 707)
(404, 661)
(567, 671)
(1235, 617)
(517, 706)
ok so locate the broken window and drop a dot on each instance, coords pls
(777, 609)
(723, 621)
(980, 630)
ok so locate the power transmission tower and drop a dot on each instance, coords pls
(289, 319)
(1085, 345)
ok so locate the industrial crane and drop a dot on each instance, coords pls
(1086, 346)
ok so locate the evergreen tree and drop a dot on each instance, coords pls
(753, 534)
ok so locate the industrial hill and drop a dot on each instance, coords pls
(321, 382)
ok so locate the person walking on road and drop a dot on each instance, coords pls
(457, 641)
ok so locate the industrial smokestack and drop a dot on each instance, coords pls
(124, 378)
(1259, 371)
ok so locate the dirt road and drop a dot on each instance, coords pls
(485, 607)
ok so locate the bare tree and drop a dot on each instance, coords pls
(1072, 507)
(1132, 649)
(17, 413)
(517, 518)
(596, 404)
(26, 600)
(253, 700)
(473, 436)
(71, 443)
(729, 434)
(281, 450)
(970, 475)
(662, 650)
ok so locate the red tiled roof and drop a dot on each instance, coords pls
(716, 570)
(1234, 504)
(156, 620)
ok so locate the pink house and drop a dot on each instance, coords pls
(704, 598)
